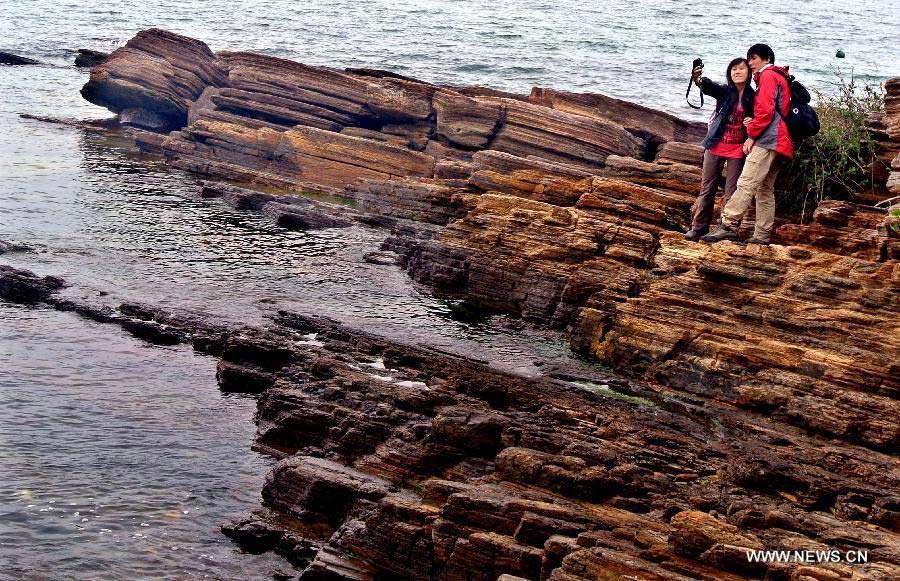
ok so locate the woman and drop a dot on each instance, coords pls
(724, 140)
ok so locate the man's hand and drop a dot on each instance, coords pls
(747, 121)
(696, 75)
(748, 145)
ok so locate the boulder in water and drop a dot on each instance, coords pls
(90, 58)
(7, 58)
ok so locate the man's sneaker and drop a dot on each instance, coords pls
(694, 234)
(723, 232)
(760, 241)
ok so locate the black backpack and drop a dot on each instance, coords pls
(802, 120)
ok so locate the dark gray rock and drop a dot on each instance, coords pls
(12, 59)
(6, 247)
(295, 217)
(89, 58)
(254, 536)
(23, 286)
(144, 119)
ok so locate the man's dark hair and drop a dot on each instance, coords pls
(731, 65)
(762, 51)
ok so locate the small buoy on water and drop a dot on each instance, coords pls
(839, 54)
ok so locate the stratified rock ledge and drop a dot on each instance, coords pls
(763, 410)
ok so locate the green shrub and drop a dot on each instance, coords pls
(838, 162)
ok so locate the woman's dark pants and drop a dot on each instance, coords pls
(712, 169)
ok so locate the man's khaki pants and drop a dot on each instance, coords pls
(757, 179)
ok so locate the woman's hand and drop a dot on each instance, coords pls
(747, 121)
(748, 145)
(696, 74)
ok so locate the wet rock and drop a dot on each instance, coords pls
(10, 247)
(144, 119)
(23, 286)
(246, 348)
(153, 332)
(101, 313)
(104, 126)
(294, 217)
(7, 58)
(254, 536)
(233, 377)
(318, 489)
(386, 258)
(90, 58)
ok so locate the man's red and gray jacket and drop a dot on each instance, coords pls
(773, 101)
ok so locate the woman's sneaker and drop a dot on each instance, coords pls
(723, 232)
(694, 234)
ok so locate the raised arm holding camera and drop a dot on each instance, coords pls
(724, 142)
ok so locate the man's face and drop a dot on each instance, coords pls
(756, 63)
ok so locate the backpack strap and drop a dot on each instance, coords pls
(789, 78)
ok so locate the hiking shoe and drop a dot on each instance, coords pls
(760, 241)
(694, 234)
(723, 232)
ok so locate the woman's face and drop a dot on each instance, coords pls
(740, 73)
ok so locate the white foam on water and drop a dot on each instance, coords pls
(377, 364)
(309, 339)
(419, 384)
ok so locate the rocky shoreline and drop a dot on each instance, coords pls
(403, 460)
(759, 407)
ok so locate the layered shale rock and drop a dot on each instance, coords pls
(649, 124)
(806, 333)
(890, 146)
(157, 72)
(255, 118)
(401, 460)
(764, 413)
(428, 465)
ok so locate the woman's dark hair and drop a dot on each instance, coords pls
(734, 62)
(763, 51)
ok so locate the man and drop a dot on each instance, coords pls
(767, 146)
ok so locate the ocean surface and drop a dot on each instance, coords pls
(119, 459)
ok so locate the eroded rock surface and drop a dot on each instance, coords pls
(763, 411)
(408, 461)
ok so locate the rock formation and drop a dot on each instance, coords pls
(89, 58)
(404, 461)
(764, 410)
(7, 58)
(890, 150)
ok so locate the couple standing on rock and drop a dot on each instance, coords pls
(748, 135)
